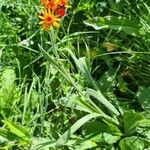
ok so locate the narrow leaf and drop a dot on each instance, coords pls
(19, 131)
(98, 95)
(65, 137)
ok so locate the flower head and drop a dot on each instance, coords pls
(63, 3)
(44, 2)
(49, 20)
(60, 11)
(51, 4)
(52, 13)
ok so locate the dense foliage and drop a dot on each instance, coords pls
(84, 86)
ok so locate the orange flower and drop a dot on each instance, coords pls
(62, 3)
(60, 11)
(49, 20)
(49, 4)
(44, 2)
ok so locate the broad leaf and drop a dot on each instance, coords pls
(131, 121)
(143, 95)
(116, 23)
(144, 128)
(132, 143)
(101, 132)
(7, 88)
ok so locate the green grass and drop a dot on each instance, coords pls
(84, 86)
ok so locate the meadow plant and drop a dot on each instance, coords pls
(52, 13)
